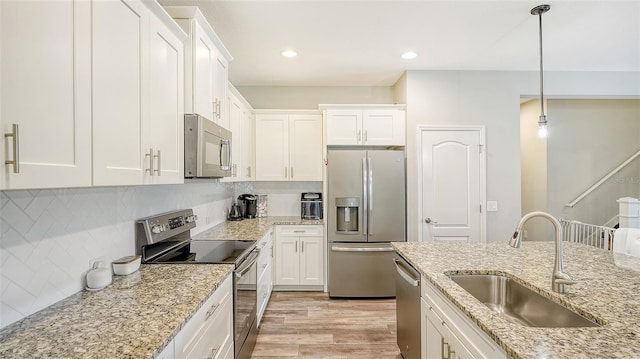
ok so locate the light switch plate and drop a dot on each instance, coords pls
(492, 206)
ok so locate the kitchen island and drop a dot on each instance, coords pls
(607, 292)
(135, 317)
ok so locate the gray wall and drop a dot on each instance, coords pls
(492, 98)
(589, 139)
(309, 97)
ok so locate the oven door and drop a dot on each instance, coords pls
(245, 305)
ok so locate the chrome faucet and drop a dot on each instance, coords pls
(559, 279)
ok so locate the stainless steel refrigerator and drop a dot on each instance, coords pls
(366, 211)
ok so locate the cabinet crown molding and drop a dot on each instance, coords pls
(193, 12)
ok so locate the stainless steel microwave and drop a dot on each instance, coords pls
(207, 148)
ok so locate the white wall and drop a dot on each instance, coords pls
(300, 97)
(492, 98)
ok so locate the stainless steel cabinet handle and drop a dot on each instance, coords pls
(442, 346)
(249, 171)
(296, 246)
(291, 172)
(212, 310)
(234, 170)
(285, 172)
(16, 148)
(150, 155)
(299, 231)
(302, 246)
(359, 132)
(158, 167)
(365, 136)
(213, 352)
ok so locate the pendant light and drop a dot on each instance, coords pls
(542, 122)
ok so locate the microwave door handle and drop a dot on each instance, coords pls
(224, 161)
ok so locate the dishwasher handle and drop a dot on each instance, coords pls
(405, 274)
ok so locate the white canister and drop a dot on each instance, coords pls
(99, 276)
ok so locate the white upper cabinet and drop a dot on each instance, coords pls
(120, 84)
(241, 125)
(288, 147)
(206, 67)
(45, 86)
(166, 120)
(94, 103)
(368, 126)
(137, 91)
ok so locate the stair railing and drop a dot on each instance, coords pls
(603, 180)
(588, 234)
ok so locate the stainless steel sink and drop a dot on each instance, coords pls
(519, 304)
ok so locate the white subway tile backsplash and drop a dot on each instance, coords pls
(49, 236)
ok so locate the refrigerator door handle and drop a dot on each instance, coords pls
(365, 204)
(361, 249)
(370, 183)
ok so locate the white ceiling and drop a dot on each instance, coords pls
(358, 43)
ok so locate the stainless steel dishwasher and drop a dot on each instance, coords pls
(407, 308)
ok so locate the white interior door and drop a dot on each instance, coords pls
(452, 184)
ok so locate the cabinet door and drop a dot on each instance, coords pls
(237, 140)
(45, 89)
(204, 57)
(166, 124)
(383, 127)
(119, 89)
(220, 71)
(272, 147)
(247, 171)
(311, 261)
(168, 352)
(305, 147)
(344, 127)
(287, 261)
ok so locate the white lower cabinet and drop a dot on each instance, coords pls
(299, 257)
(448, 333)
(265, 274)
(209, 333)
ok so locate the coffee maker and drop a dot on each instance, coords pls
(248, 204)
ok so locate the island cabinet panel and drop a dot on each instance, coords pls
(448, 333)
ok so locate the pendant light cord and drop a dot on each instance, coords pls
(541, 68)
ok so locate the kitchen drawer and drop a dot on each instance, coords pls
(299, 231)
(265, 286)
(210, 329)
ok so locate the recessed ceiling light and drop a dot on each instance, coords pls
(289, 53)
(409, 55)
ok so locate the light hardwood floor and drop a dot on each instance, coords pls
(311, 325)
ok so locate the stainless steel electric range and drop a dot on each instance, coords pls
(166, 238)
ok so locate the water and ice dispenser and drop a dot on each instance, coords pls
(347, 212)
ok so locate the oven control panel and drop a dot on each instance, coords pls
(164, 226)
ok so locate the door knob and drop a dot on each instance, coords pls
(429, 221)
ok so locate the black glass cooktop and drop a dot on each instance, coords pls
(203, 251)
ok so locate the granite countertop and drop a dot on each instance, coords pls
(607, 291)
(250, 229)
(135, 317)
